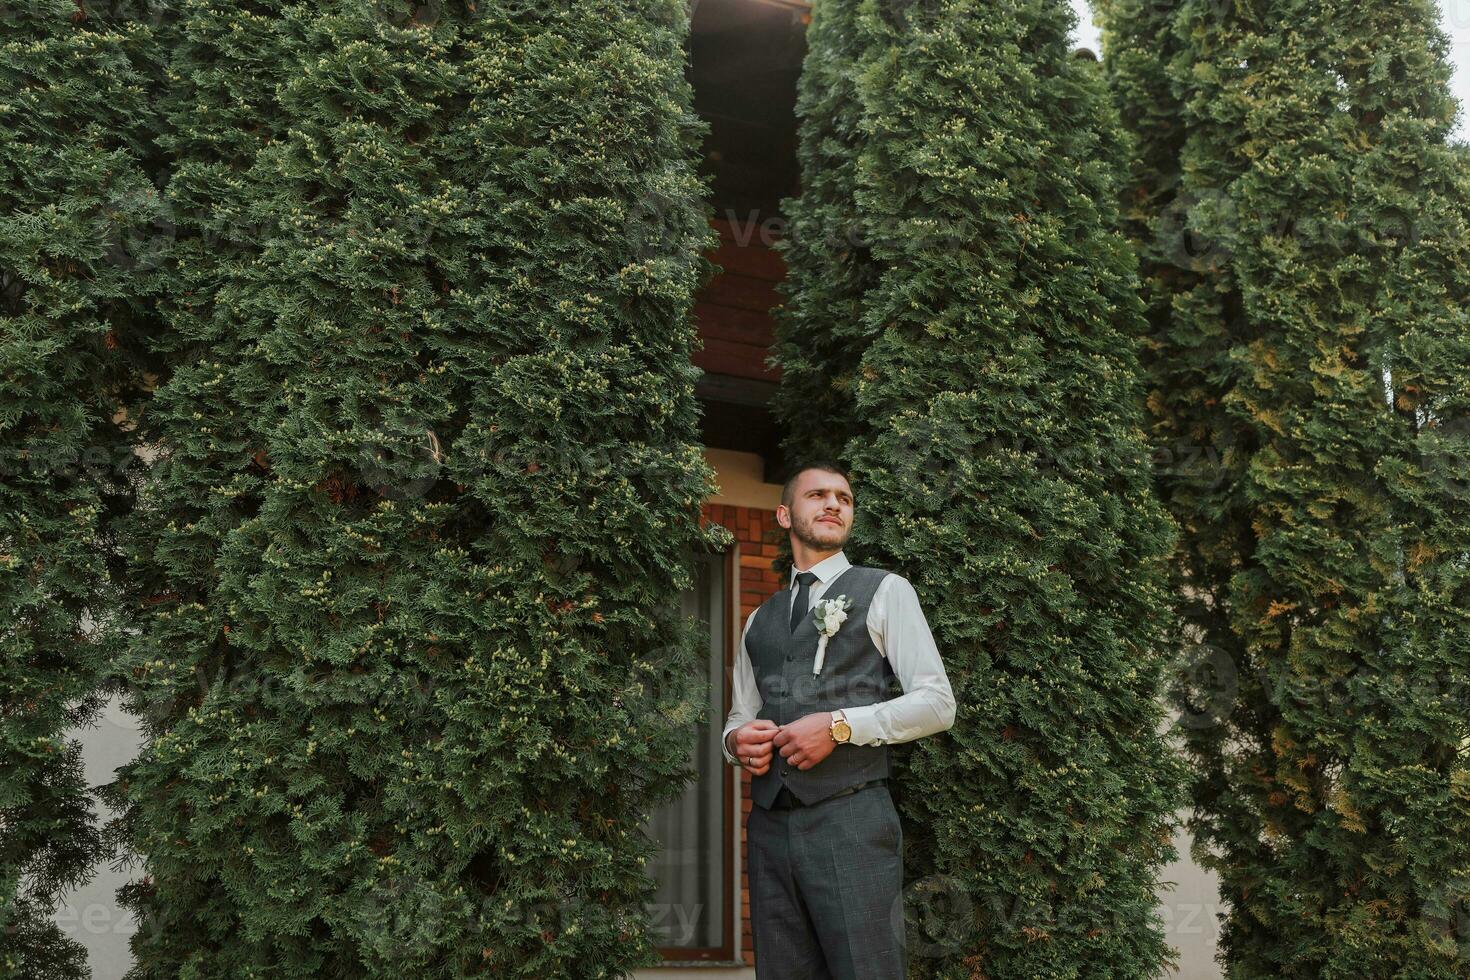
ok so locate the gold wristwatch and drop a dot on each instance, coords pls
(841, 730)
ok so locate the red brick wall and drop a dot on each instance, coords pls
(756, 533)
(733, 309)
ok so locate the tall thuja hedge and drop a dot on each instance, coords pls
(820, 333)
(1322, 311)
(1200, 452)
(77, 228)
(184, 676)
(999, 464)
(429, 475)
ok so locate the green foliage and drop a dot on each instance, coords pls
(1304, 227)
(820, 332)
(428, 477)
(76, 243)
(993, 429)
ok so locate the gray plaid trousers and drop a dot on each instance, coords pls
(826, 889)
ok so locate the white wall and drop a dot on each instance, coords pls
(91, 915)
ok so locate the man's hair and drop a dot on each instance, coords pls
(825, 465)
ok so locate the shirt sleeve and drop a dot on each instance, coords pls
(745, 697)
(899, 630)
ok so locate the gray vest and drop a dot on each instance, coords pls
(854, 672)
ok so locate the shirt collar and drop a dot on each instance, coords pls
(827, 569)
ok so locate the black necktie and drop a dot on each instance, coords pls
(803, 595)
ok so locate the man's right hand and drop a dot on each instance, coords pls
(751, 743)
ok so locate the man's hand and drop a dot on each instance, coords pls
(808, 740)
(753, 744)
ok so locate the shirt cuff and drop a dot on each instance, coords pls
(863, 719)
(725, 752)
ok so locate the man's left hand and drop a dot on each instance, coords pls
(806, 741)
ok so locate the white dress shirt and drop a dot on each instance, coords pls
(901, 633)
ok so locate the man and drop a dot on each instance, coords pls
(824, 838)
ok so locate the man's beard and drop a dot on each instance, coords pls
(805, 534)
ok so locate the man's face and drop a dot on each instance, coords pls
(821, 510)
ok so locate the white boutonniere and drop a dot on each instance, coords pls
(829, 615)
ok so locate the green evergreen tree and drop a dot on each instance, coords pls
(999, 463)
(1200, 453)
(78, 237)
(1312, 335)
(819, 328)
(428, 480)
